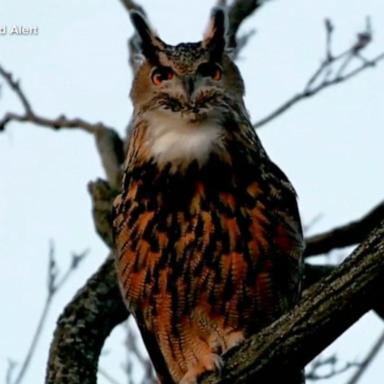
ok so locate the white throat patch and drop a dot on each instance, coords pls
(174, 139)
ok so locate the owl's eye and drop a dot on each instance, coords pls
(210, 70)
(160, 74)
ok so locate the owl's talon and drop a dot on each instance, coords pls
(208, 362)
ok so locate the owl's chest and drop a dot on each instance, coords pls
(191, 235)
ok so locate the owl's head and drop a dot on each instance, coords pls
(184, 91)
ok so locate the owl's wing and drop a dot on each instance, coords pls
(152, 346)
(288, 234)
(149, 338)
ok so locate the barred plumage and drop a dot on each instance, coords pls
(207, 231)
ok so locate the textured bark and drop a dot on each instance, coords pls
(327, 309)
(83, 327)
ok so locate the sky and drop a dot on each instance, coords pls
(330, 146)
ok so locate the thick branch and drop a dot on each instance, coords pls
(325, 312)
(83, 327)
(108, 142)
(349, 234)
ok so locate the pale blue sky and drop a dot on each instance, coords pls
(330, 146)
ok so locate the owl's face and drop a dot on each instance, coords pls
(184, 91)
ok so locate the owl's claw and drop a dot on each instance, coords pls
(207, 362)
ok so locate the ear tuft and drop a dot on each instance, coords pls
(150, 42)
(215, 36)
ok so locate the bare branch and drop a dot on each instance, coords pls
(327, 309)
(108, 377)
(368, 360)
(109, 144)
(331, 363)
(348, 234)
(132, 347)
(15, 86)
(10, 369)
(333, 70)
(53, 286)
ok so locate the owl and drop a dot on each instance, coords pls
(207, 232)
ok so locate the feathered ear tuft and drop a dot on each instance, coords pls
(151, 44)
(215, 36)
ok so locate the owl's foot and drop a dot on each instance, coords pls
(232, 339)
(206, 362)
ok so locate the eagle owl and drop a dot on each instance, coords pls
(207, 231)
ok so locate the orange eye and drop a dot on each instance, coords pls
(160, 74)
(210, 70)
(217, 74)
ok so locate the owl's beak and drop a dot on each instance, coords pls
(189, 87)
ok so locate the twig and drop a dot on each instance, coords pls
(368, 360)
(107, 376)
(53, 286)
(330, 362)
(15, 86)
(333, 70)
(313, 221)
(348, 234)
(132, 347)
(11, 368)
(109, 144)
(30, 116)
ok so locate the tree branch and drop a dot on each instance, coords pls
(348, 234)
(83, 327)
(327, 309)
(333, 70)
(109, 144)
